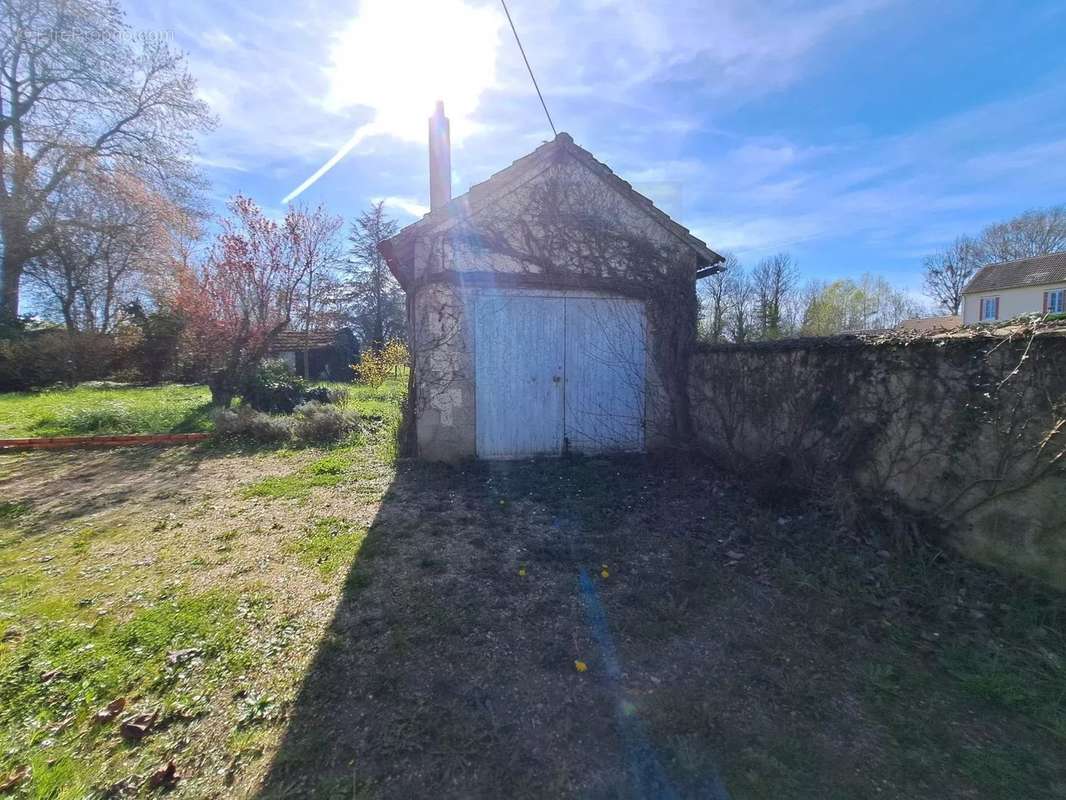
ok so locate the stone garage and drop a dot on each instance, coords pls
(551, 309)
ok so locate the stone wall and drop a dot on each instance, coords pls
(965, 429)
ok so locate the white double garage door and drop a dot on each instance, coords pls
(558, 371)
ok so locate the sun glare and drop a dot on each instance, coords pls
(398, 57)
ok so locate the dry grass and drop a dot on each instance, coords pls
(376, 630)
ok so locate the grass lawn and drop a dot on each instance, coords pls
(333, 623)
(101, 408)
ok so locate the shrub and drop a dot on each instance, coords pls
(30, 359)
(395, 355)
(249, 423)
(376, 365)
(154, 350)
(318, 423)
(371, 369)
(337, 397)
(275, 387)
(317, 394)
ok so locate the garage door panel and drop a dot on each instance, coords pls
(605, 357)
(519, 368)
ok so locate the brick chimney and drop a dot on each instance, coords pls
(440, 159)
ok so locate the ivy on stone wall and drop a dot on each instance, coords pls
(969, 429)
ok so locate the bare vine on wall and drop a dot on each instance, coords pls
(568, 229)
(437, 358)
(1023, 411)
(950, 427)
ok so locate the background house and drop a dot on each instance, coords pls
(548, 309)
(1009, 289)
(945, 322)
(329, 354)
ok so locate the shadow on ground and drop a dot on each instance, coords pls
(450, 668)
(719, 638)
(68, 485)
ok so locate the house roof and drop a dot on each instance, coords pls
(300, 340)
(1035, 271)
(943, 323)
(399, 250)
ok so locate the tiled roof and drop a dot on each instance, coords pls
(943, 323)
(398, 250)
(298, 340)
(1035, 271)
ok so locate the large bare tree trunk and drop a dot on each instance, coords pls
(9, 290)
(14, 261)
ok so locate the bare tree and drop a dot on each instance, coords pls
(376, 298)
(113, 239)
(948, 272)
(76, 87)
(741, 320)
(1034, 233)
(714, 295)
(775, 278)
(317, 253)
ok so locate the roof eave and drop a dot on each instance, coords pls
(393, 259)
(706, 269)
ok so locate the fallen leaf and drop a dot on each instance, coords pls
(51, 675)
(581, 666)
(111, 710)
(165, 776)
(139, 726)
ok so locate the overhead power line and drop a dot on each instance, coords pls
(522, 50)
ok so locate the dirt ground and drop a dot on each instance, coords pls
(602, 628)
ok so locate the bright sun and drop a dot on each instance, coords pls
(398, 57)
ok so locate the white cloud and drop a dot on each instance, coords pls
(219, 40)
(729, 47)
(407, 205)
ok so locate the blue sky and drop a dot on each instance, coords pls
(856, 135)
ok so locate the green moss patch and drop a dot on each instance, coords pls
(330, 545)
(330, 470)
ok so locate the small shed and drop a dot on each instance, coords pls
(317, 354)
(550, 310)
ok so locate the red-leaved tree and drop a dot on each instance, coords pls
(245, 292)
